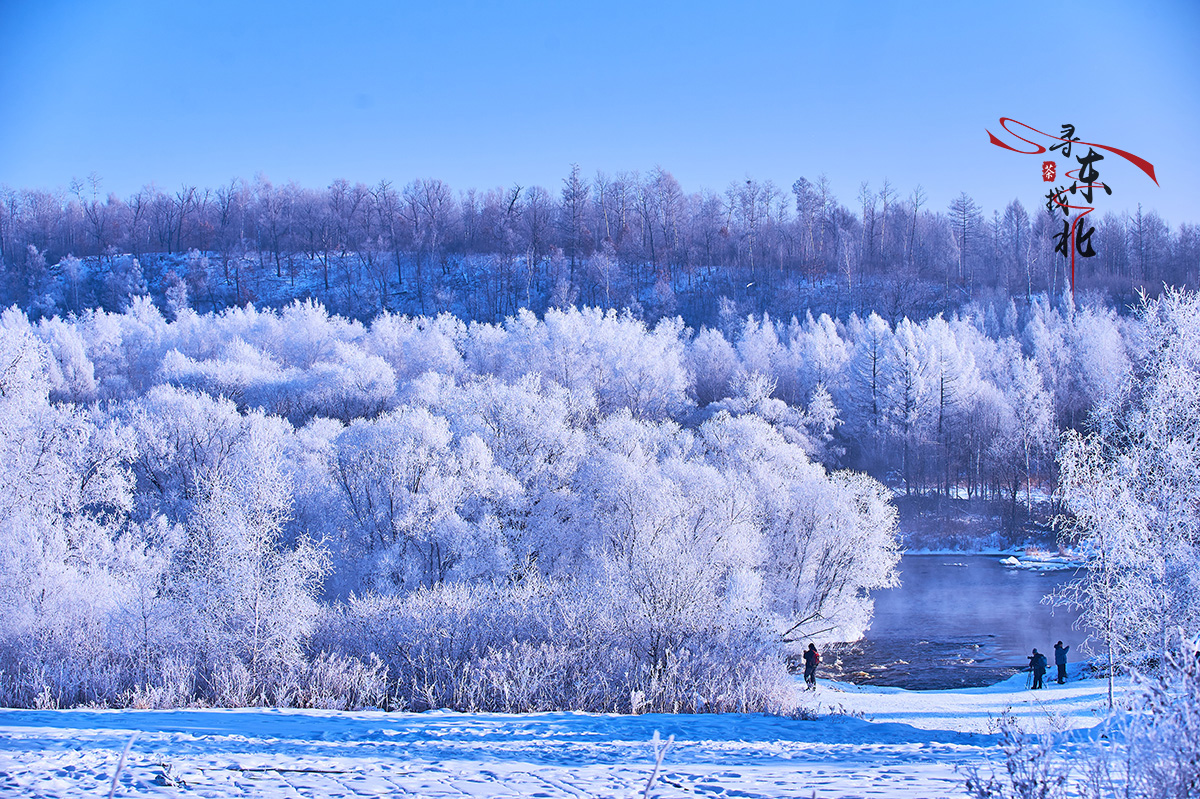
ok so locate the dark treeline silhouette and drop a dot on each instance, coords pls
(621, 240)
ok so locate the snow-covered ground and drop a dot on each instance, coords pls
(908, 744)
(1077, 704)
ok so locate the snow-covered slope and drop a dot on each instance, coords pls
(916, 746)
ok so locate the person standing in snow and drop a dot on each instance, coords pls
(1060, 660)
(811, 658)
(1037, 664)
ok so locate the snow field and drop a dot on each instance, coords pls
(916, 746)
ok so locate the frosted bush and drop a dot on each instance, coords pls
(525, 648)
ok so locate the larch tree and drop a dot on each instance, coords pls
(575, 193)
(863, 395)
(965, 219)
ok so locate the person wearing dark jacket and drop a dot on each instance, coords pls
(811, 658)
(1037, 664)
(1060, 660)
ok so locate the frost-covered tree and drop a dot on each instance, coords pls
(176, 292)
(220, 479)
(713, 364)
(536, 433)
(674, 541)
(862, 397)
(829, 540)
(820, 355)
(411, 490)
(1131, 488)
(1026, 435)
(911, 398)
(65, 495)
(954, 384)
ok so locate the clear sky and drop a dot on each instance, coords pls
(486, 94)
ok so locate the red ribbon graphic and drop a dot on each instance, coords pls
(1140, 163)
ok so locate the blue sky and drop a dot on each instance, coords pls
(489, 94)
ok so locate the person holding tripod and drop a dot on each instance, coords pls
(1037, 665)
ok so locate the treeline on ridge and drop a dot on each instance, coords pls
(626, 240)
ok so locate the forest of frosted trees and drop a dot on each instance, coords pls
(576, 510)
(616, 449)
(293, 508)
(622, 240)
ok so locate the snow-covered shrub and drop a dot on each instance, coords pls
(1162, 737)
(173, 684)
(1032, 768)
(466, 646)
(338, 682)
(536, 646)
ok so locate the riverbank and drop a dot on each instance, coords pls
(1028, 557)
(941, 525)
(1077, 704)
(877, 741)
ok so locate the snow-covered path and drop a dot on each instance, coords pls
(289, 753)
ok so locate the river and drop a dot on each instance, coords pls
(957, 621)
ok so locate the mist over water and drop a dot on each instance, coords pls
(958, 621)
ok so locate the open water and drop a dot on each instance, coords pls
(957, 621)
